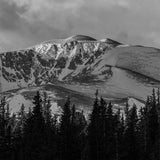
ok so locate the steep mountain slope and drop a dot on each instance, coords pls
(143, 60)
(83, 64)
(47, 62)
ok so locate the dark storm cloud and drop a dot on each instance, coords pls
(27, 22)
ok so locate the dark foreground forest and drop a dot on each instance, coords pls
(106, 135)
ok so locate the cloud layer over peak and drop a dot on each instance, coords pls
(24, 23)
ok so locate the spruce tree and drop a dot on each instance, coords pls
(21, 119)
(131, 144)
(70, 129)
(34, 141)
(3, 146)
(110, 133)
(119, 135)
(65, 130)
(93, 131)
(101, 134)
(152, 129)
(142, 132)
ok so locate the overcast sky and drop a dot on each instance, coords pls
(24, 23)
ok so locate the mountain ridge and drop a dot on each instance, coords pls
(84, 64)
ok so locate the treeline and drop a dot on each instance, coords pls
(106, 135)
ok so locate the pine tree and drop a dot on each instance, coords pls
(29, 114)
(65, 130)
(158, 96)
(34, 141)
(5, 130)
(110, 133)
(70, 134)
(51, 130)
(101, 129)
(93, 131)
(21, 119)
(77, 126)
(152, 129)
(131, 144)
(119, 135)
(73, 114)
(142, 132)
(148, 128)
(126, 111)
(2, 117)
(47, 113)
(158, 111)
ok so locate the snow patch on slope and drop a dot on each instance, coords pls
(16, 102)
(133, 101)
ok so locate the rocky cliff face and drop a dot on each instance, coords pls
(73, 58)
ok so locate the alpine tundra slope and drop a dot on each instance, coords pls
(76, 67)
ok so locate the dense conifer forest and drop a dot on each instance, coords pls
(106, 135)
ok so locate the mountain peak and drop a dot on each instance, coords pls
(80, 38)
(72, 38)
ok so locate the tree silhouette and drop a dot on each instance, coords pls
(131, 135)
(34, 141)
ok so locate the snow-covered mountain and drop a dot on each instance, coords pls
(50, 61)
(83, 64)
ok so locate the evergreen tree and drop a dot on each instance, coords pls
(152, 129)
(77, 126)
(40, 135)
(131, 144)
(65, 130)
(148, 128)
(158, 96)
(21, 119)
(126, 111)
(101, 134)
(119, 135)
(47, 113)
(51, 130)
(142, 133)
(93, 131)
(29, 114)
(2, 117)
(69, 132)
(5, 130)
(110, 133)
(34, 144)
